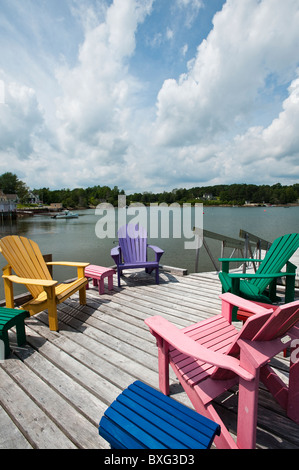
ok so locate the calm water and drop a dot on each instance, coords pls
(76, 239)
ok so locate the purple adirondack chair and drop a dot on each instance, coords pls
(132, 251)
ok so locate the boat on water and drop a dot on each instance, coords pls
(65, 215)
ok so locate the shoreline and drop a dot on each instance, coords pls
(45, 210)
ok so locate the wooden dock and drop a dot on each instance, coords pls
(55, 389)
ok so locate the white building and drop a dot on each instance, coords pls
(8, 202)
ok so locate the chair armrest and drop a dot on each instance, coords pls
(80, 266)
(244, 304)
(259, 276)
(34, 282)
(239, 260)
(68, 263)
(116, 254)
(162, 328)
(261, 351)
(158, 251)
(225, 262)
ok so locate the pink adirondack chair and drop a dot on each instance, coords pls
(211, 356)
(132, 251)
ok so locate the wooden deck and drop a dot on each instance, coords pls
(56, 388)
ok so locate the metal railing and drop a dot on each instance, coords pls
(249, 245)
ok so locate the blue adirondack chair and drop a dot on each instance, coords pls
(253, 286)
(131, 253)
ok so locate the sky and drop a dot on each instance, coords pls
(149, 95)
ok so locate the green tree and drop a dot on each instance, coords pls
(22, 191)
(10, 184)
(44, 195)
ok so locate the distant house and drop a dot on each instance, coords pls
(33, 198)
(208, 197)
(56, 205)
(8, 202)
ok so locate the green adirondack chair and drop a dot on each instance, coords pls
(253, 286)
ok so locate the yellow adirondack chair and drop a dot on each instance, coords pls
(27, 266)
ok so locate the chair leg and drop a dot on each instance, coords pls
(9, 296)
(5, 340)
(163, 364)
(225, 440)
(110, 282)
(2, 350)
(53, 320)
(101, 286)
(82, 296)
(52, 308)
(21, 335)
(157, 276)
(247, 413)
(293, 396)
(290, 289)
(275, 385)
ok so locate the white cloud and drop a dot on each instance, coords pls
(231, 116)
(169, 34)
(192, 8)
(21, 120)
(184, 49)
(276, 144)
(204, 119)
(230, 70)
(259, 153)
(282, 137)
(98, 94)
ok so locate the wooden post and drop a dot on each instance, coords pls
(247, 406)
(48, 259)
(163, 362)
(52, 308)
(8, 287)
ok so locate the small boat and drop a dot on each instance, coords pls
(65, 215)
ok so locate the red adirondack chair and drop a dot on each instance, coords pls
(211, 356)
(132, 251)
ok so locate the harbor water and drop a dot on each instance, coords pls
(78, 239)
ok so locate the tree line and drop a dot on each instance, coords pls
(232, 194)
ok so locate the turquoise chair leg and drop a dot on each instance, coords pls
(2, 350)
(5, 340)
(21, 335)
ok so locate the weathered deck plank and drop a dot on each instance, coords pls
(55, 389)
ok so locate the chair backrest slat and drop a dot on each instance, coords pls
(262, 327)
(133, 242)
(26, 260)
(279, 253)
(282, 320)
